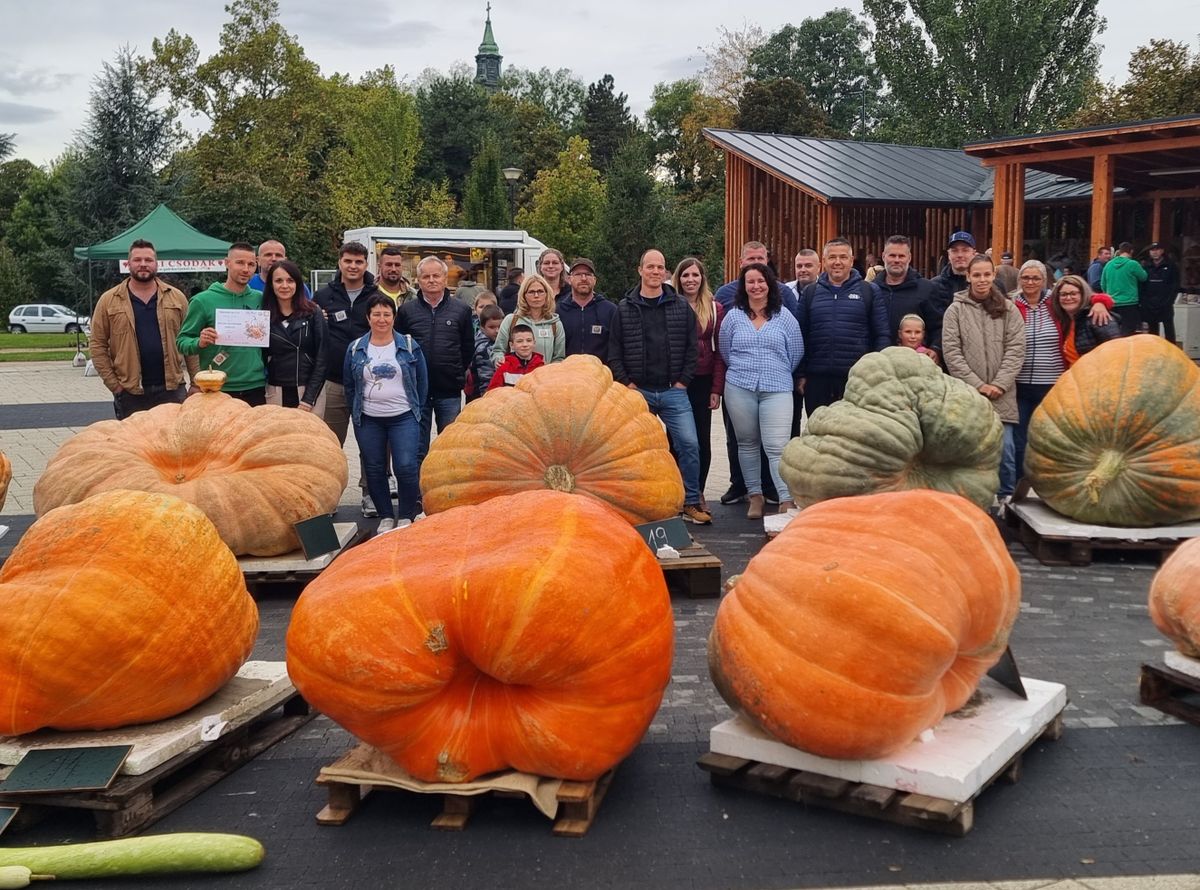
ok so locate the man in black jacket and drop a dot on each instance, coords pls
(906, 292)
(653, 349)
(1158, 292)
(344, 303)
(442, 325)
(585, 315)
(952, 279)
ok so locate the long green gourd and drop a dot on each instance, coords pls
(153, 855)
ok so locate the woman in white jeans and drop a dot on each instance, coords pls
(761, 345)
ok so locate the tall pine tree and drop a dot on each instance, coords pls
(607, 123)
(631, 220)
(485, 200)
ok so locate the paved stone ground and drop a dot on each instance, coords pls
(1114, 797)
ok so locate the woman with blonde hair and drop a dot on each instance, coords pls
(534, 308)
(708, 383)
(552, 266)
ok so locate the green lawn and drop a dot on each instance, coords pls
(37, 341)
(53, 355)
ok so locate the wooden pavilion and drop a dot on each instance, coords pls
(1032, 195)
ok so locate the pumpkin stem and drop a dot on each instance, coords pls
(1110, 465)
(559, 478)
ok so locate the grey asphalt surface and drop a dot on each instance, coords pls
(1115, 796)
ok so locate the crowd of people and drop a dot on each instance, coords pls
(392, 359)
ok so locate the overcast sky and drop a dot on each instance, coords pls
(53, 48)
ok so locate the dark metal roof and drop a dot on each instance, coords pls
(841, 171)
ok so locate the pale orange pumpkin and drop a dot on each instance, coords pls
(5, 477)
(567, 427)
(253, 471)
(1175, 598)
(854, 631)
(125, 608)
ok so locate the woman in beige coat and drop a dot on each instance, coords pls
(983, 344)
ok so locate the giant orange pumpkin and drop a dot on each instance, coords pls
(1175, 598)
(253, 471)
(866, 621)
(567, 427)
(125, 608)
(1117, 440)
(5, 477)
(532, 632)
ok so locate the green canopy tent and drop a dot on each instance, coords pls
(173, 239)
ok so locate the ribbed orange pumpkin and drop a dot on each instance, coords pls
(1175, 598)
(5, 477)
(854, 631)
(253, 471)
(126, 608)
(566, 427)
(532, 632)
(1117, 440)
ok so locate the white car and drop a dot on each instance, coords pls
(45, 318)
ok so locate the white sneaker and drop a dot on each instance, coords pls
(403, 523)
(385, 525)
(368, 507)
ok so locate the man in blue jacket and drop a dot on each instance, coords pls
(842, 318)
(585, 315)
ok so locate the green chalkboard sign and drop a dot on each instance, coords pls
(665, 533)
(66, 769)
(317, 536)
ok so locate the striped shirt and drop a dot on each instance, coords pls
(761, 360)
(1043, 347)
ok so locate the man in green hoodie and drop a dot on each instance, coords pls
(246, 377)
(1120, 280)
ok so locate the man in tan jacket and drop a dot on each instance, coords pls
(134, 327)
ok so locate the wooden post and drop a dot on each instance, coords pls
(1017, 225)
(1156, 219)
(1103, 170)
(828, 225)
(1001, 211)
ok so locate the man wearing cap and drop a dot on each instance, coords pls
(1122, 279)
(1006, 258)
(1157, 295)
(585, 315)
(960, 250)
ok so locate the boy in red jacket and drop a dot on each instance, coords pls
(521, 360)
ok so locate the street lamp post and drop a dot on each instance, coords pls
(511, 176)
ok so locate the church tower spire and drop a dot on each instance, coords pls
(487, 60)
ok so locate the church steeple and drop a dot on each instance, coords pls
(487, 60)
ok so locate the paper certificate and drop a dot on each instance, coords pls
(243, 327)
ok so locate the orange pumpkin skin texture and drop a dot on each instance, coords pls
(567, 427)
(5, 477)
(126, 608)
(866, 621)
(253, 471)
(1117, 440)
(459, 651)
(1175, 598)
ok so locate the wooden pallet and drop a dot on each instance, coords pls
(291, 570)
(131, 803)
(578, 804)
(1068, 548)
(887, 804)
(1171, 691)
(695, 574)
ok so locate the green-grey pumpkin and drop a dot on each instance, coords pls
(902, 424)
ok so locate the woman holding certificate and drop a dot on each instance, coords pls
(296, 356)
(386, 385)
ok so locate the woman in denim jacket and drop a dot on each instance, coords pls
(386, 385)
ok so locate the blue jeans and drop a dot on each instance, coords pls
(763, 420)
(674, 408)
(1029, 396)
(374, 435)
(447, 409)
(1008, 461)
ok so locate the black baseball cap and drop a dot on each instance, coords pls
(964, 237)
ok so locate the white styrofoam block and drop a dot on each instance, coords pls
(295, 561)
(967, 748)
(1046, 521)
(774, 523)
(258, 687)
(1177, 661)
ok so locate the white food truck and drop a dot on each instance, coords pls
(483, 254)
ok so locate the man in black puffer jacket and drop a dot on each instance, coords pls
(842, 318)
(652, 348)
(442, 326)
(906, 292)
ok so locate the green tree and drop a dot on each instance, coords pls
(1164, 81)
(631, 220)
(694, 225)
(454, 115)
(567, 202)
(434, 207)
(15, 285)
(42, 231)
(8, 145)
(559, 92)
(779, 105)
(830, 57)
(485, 203)
(606, 121)
(528, 137)
(970, 69)
(15, 177)
(675, 122)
